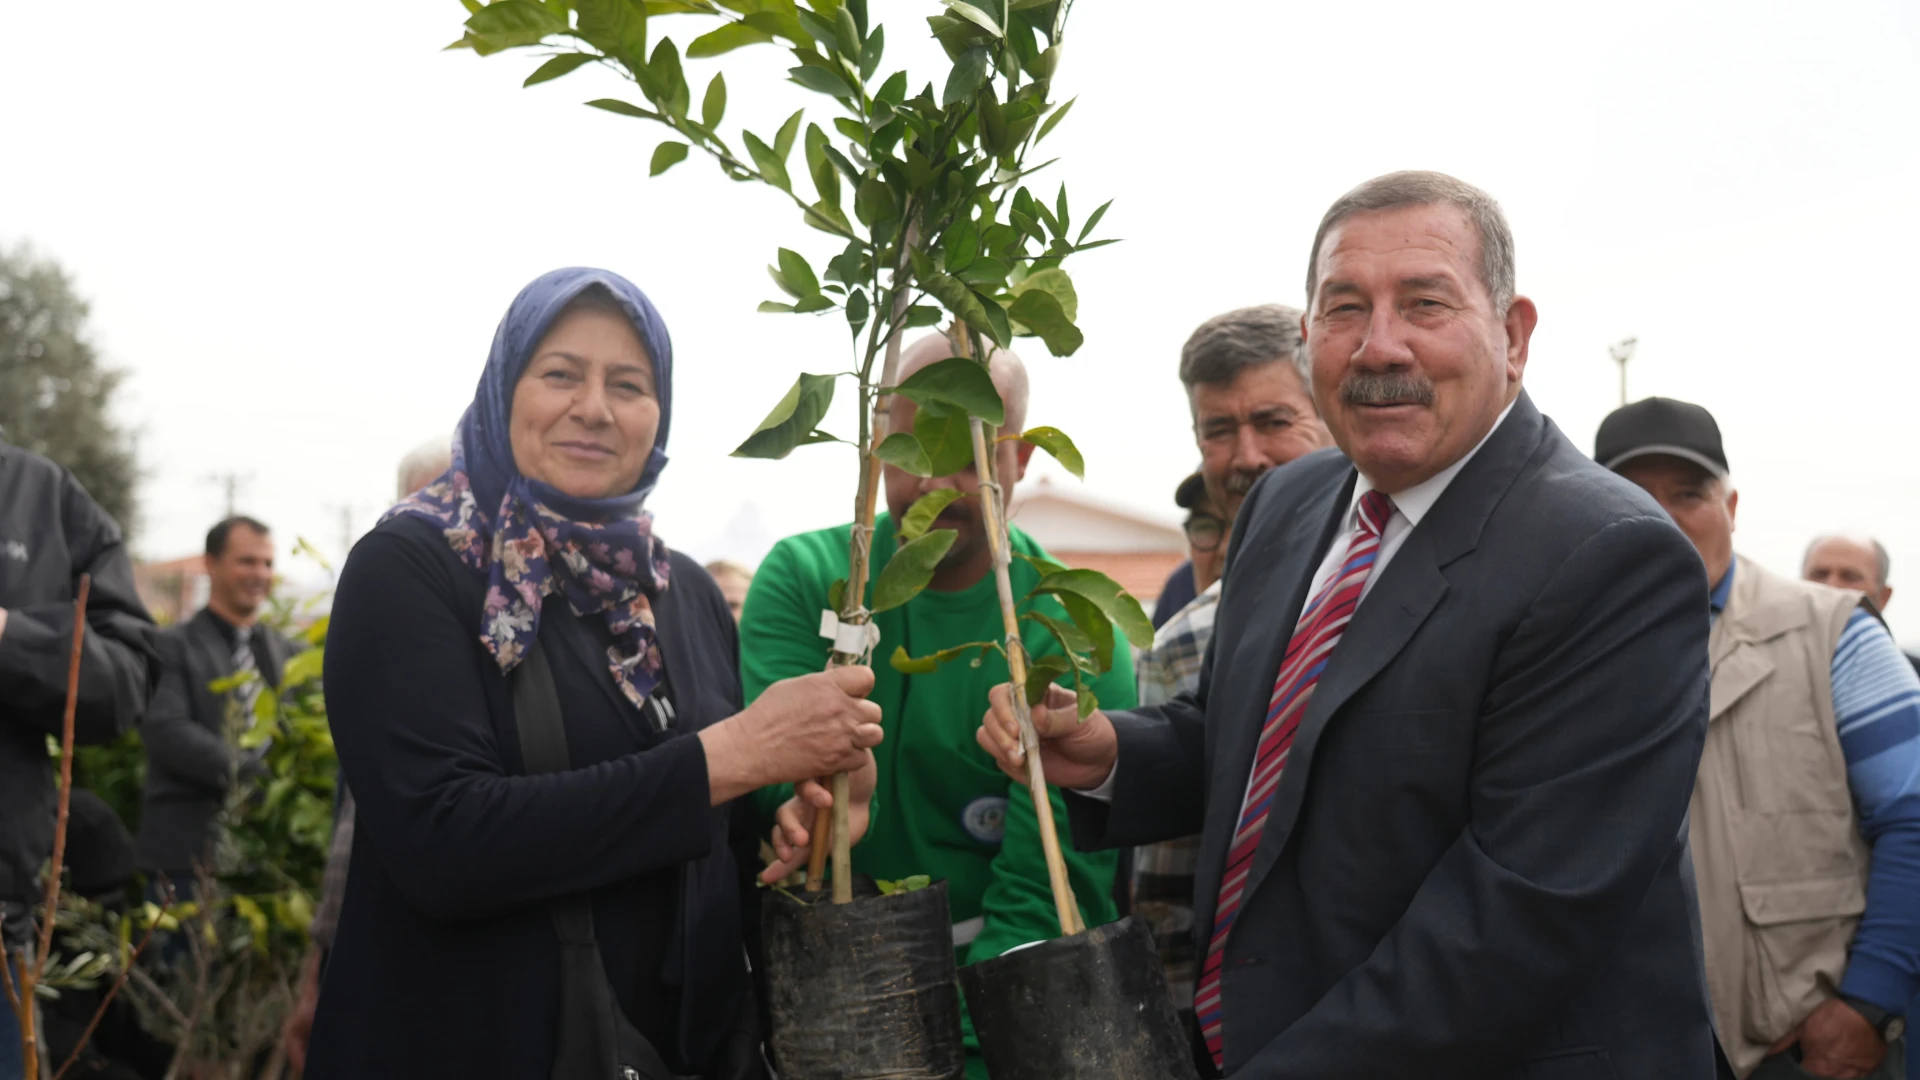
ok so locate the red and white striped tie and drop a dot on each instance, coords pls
(1321, 623)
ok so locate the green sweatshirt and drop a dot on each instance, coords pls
(941, 806)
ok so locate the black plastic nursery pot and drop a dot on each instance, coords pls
(863, 990)
(1092, 1006)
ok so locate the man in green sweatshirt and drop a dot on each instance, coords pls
(942, 807)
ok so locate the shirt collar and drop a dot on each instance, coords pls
(1717, 599)
(1414, 502)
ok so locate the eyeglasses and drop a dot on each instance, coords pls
(1205, 532)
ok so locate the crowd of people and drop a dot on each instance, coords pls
(1578, 791)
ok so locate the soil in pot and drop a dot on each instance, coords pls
(863, 990)
(1092, 1006)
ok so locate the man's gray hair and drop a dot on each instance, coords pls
(1879, 551)
(1228, 344)
(422, 464)
(1402, 189)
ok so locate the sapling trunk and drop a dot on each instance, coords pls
(50, 903)
(832, 829)
(993, 515)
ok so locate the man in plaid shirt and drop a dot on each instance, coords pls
(1246, 383)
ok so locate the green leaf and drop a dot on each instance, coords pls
(1071, 638)
(922, 315)
(1044, 565)
(669, 83)
(959, 382)
(781, 24)
(1094, 626)
(946, 437)
(963, 246)
(873, 201)
(796, 276)
(792, 420)
(930, 663)
(615, 105)
(508, 24)
(774, 307)
(974, 15)
(915, 882)
(783, 140)
(302, 668)
(1103, 592)
(903, 451)
(1055, 442)
(920, 516)
(820, 80)
(764, 159)
(846, 34)
(837, 595)
(857, 310)
(1058, 115)
(814, 303)
(558, 66)
(910, 569)
(967, 75)
(953, 293)
(1060, 208)
(615, 27)
(894, 90)
(666, 156)
(732, 36)
(1042, 314)
(870, 52)
(1053, 280)
(1092, 221)
(997, 328)
(1040, 674)
(713, 107)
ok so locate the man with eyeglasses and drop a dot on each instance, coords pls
(1251, 412)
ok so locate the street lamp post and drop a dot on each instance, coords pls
(1622, 351)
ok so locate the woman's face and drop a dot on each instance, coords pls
(585, 411)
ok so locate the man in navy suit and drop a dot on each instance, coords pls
(1443, 743)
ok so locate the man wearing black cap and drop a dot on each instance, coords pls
(1805, 820)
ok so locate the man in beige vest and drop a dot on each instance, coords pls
(1805, 821)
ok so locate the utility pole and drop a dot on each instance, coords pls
(230, 484)
(1622, 351)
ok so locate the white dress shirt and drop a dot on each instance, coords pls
(1409, 507)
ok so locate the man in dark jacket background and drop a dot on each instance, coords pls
(51, 532)
(192, 755)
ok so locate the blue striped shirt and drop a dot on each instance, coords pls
(1876, 699)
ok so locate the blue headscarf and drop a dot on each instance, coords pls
(532, 540)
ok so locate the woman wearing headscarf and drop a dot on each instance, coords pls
(447, 960)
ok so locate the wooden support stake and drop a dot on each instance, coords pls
(994, 511)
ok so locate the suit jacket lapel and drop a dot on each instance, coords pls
(1273, 577)
(1407, 591)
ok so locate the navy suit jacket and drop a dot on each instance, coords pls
(1476, 861)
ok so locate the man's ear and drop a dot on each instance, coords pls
(1522, 317)
(1022, 454)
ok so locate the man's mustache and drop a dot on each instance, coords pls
(1388, 388)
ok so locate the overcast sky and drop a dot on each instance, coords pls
(298, 226)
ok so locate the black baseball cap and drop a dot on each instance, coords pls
(1658, 425)
(1191, 490)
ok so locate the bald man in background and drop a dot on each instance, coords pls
(1853, 561)
(942, 807)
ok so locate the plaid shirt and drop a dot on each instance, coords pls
(1163, 872)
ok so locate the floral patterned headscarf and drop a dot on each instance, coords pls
(532, 541)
